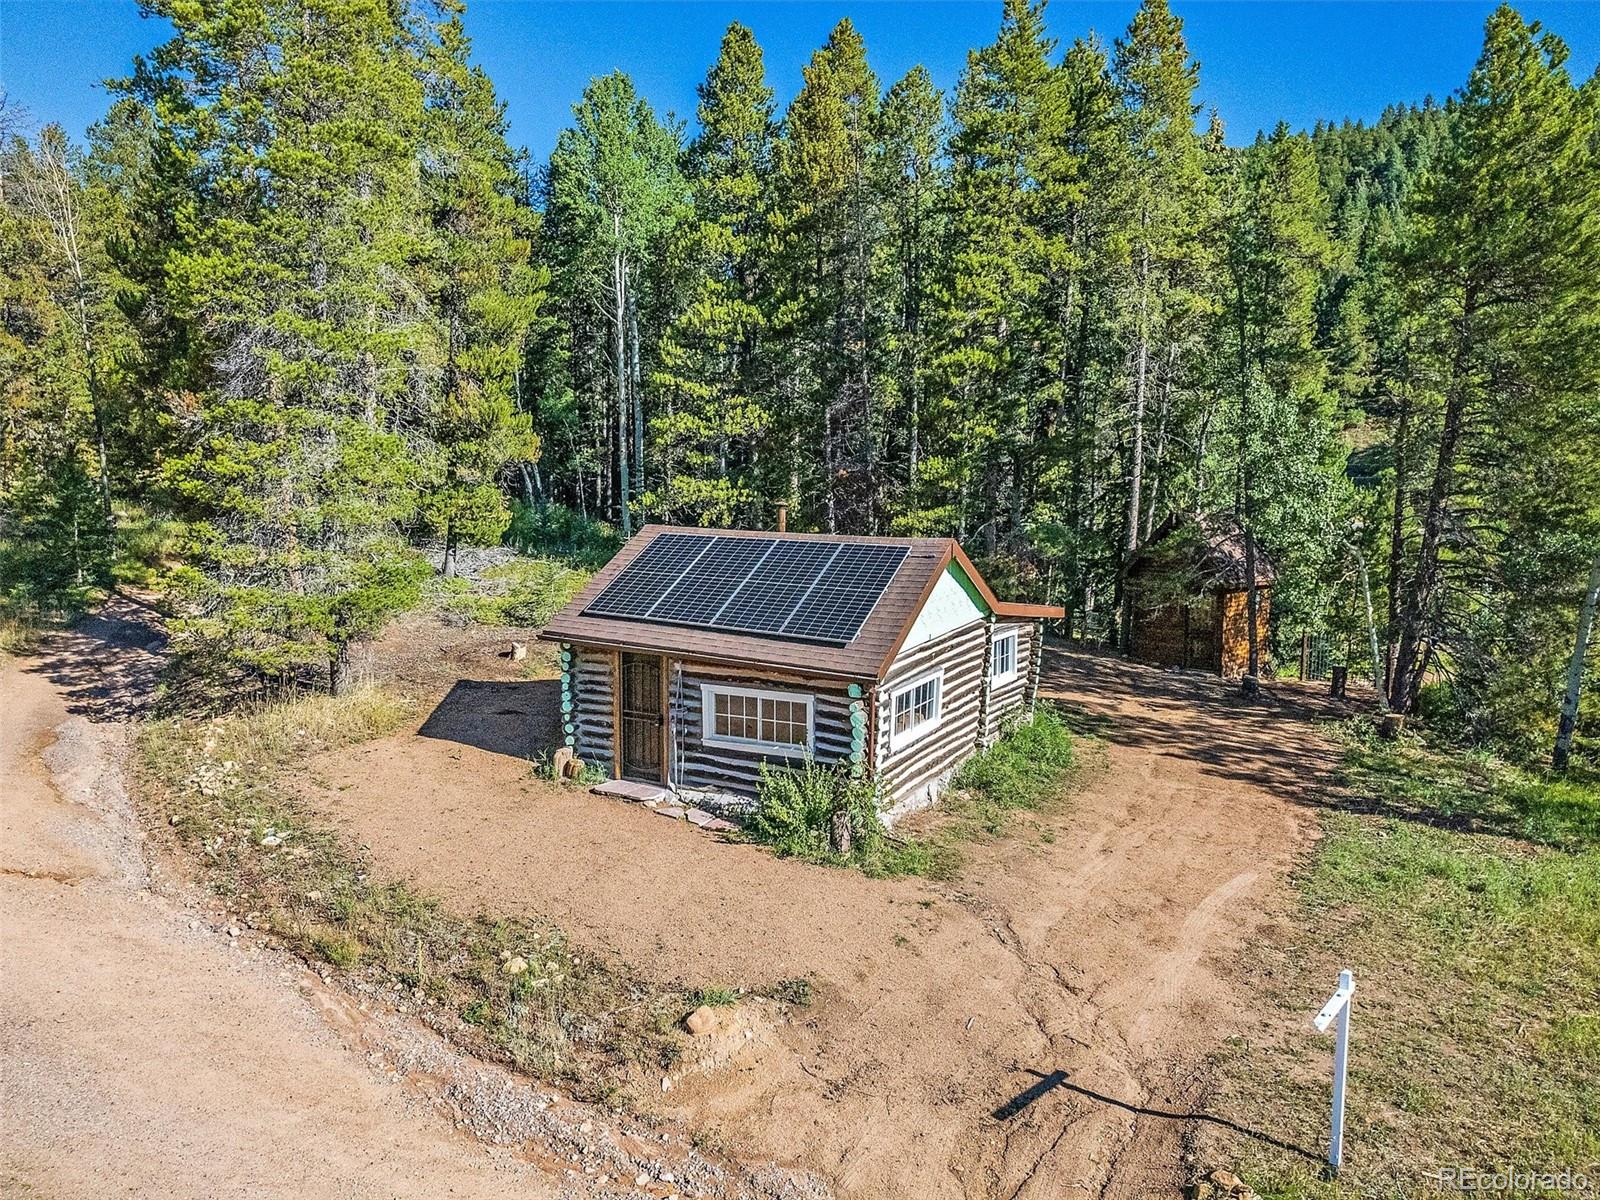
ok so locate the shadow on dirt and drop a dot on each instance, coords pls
(107, 665)
(519, 719)
(1058, 1079)
(1203, 718)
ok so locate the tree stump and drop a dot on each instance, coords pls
(839, 832)
(1390, 725)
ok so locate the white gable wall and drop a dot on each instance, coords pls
(947, 609)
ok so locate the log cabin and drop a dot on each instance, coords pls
(697, 655)
(1190, 596)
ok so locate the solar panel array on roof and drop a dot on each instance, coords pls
(813, 590)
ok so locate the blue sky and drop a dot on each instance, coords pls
(1261, 61)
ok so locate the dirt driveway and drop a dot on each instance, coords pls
(1099, 943)
(146, 1052)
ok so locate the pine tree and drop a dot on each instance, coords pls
(1164, 294)
(296, 275)
(485, 293)
(614, 193)
(1008, 114)
(911, 178)
(827, 315)
(1284, 472)
(713, 418)
(1506, 236)
(1086, 221)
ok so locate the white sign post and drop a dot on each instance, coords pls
(1338, 1008)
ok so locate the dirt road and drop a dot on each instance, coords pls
(1098, 943)
(147, 1054)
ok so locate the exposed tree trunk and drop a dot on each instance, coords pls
(1162, 421)
(448, 567)
(1580, 650)
(1406, 681)
(1372, 631)
(636, 380)
(1397, 536)
(619, 311)
(339, 669)
(1243, 500)
(1130, 537)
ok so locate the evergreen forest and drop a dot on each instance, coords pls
(298, 300)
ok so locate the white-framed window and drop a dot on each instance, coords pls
(914, 710)
(1003, 656)
(757, 719)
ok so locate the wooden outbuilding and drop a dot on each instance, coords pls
(697, 655)
(1189, 587)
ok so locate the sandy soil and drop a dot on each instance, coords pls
(147, 1053)
(1100, 944)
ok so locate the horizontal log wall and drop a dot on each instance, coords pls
(697, 766)
(592, 705)
(1006, 698)
(912, 776)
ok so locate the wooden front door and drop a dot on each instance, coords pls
(643, 718)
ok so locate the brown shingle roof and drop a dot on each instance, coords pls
(867, 657)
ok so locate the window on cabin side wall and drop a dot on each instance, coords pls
(915, 711)
(1003, 656)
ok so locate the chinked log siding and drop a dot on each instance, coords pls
(696, 765)
(908, 776)
(1006, 697)
(593, 710)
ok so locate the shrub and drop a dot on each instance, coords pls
(525, 592)
(555, 531)
(794, 815)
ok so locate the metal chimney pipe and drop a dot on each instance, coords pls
(783, 516)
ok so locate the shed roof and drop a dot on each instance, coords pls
(867, 656)
(1209, 549)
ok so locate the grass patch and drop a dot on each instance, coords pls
(512, 989)
(1466, 896)
(1028, 767)
(714, 997)
(521, 593)
(1469, 791)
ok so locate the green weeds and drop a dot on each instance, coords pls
(1030, 767)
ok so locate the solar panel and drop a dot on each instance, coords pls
(644, 582)
(813, 590)
(699, 595)
(764, 601)
(846, 593)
